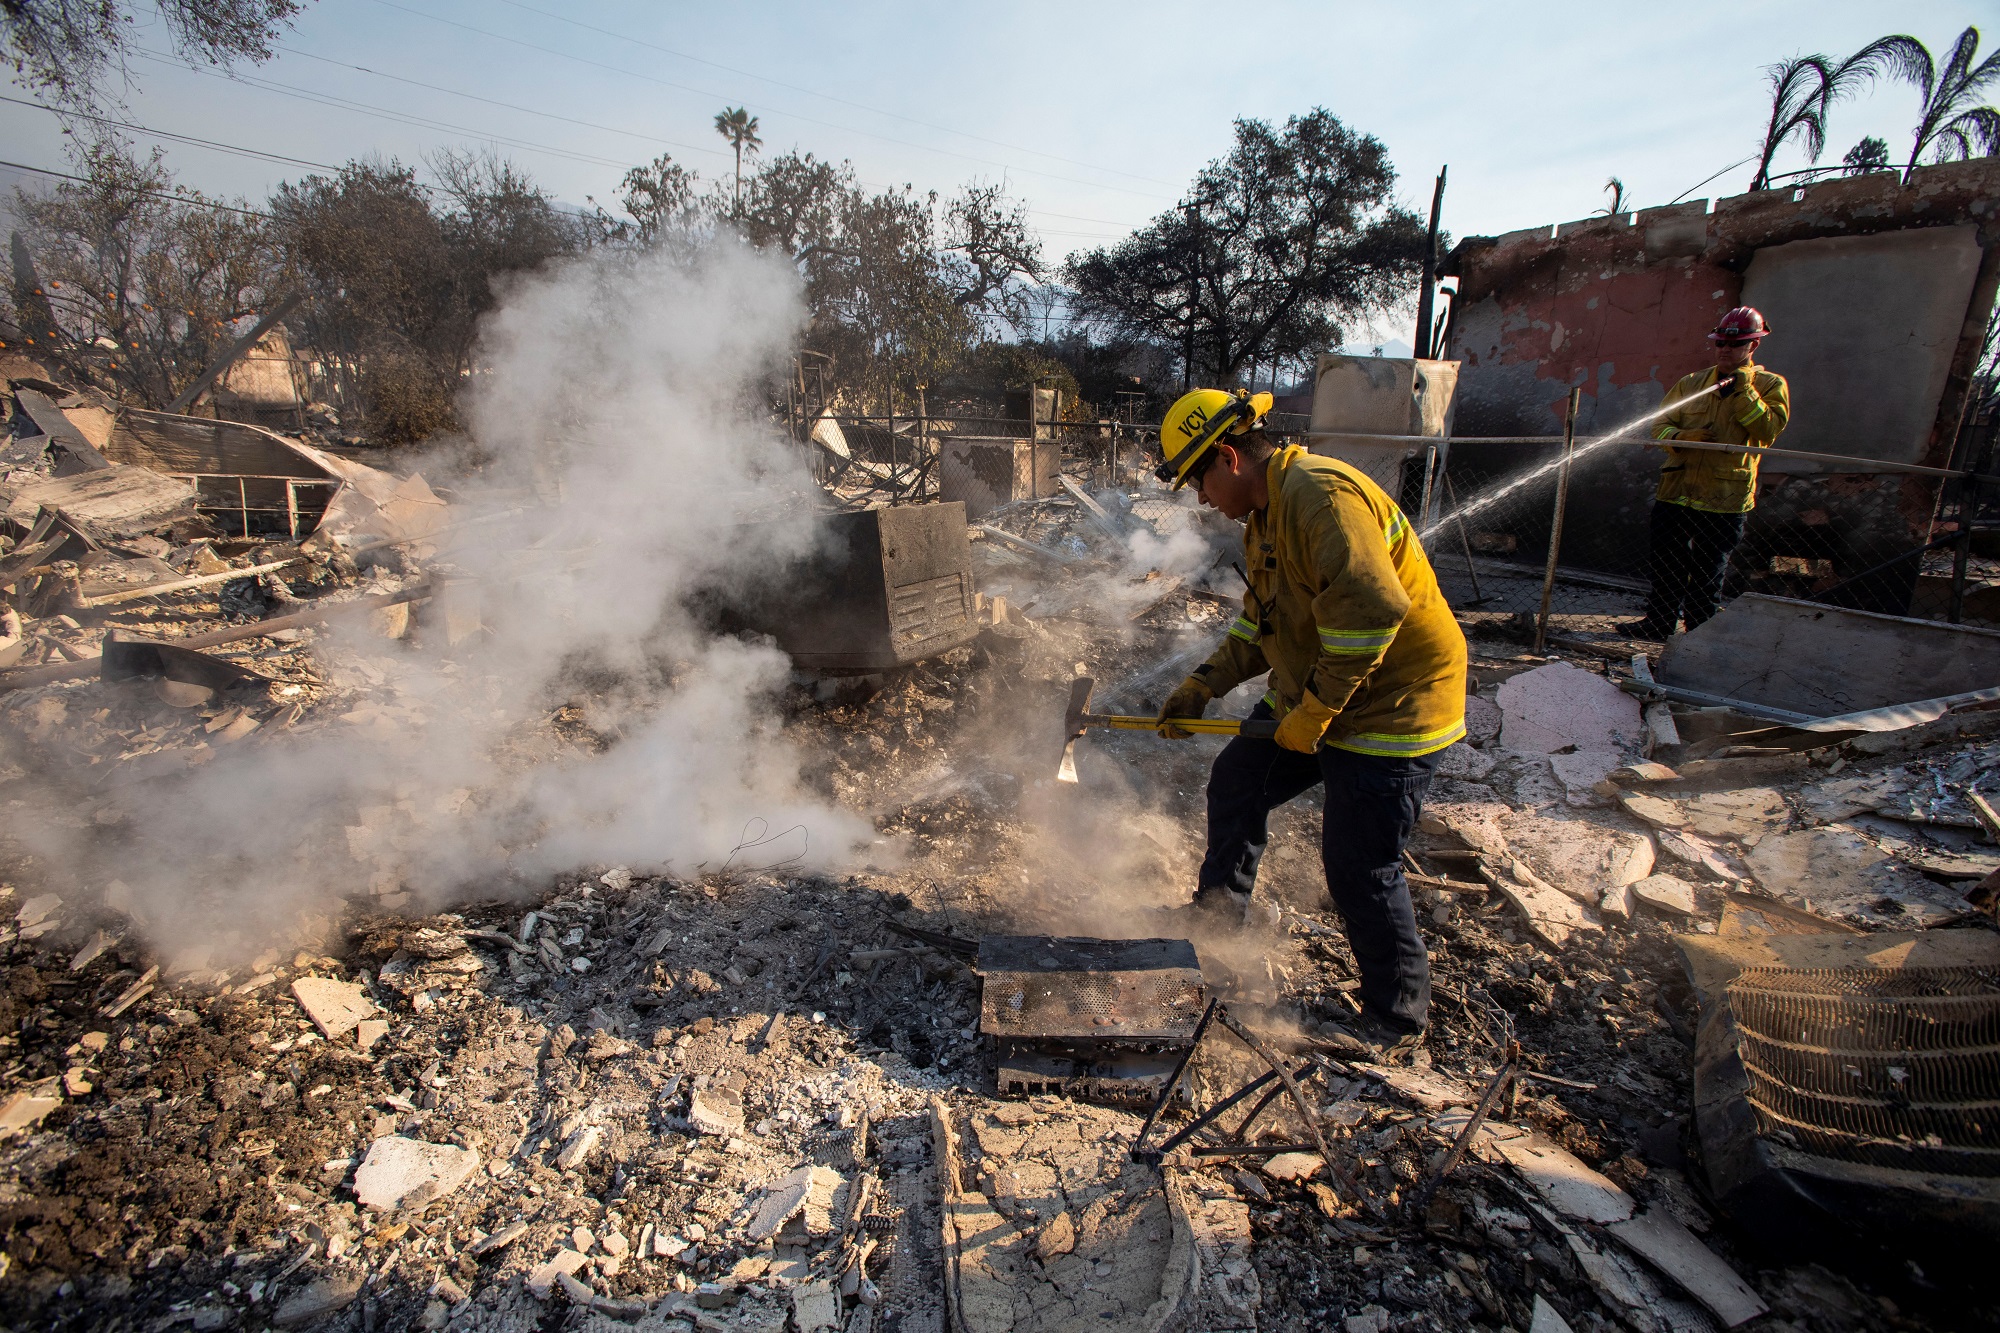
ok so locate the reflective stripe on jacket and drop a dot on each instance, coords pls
(1709, 479)
(1342, 601)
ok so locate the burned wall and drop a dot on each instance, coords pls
(1879, 294)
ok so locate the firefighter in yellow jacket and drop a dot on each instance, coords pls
(1706, 495)
(1367, 677)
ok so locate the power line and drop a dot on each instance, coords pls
(510, 106)
(571, 120)
(383, 113)
(542, 50)
(178, 138)
(422, 122)
(236, 149)
(154, 194)
(810, 92)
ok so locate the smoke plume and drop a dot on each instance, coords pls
(618, 411)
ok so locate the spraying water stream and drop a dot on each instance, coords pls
(1583, 449)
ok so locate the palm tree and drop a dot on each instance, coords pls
(1620, 201)
(738, 126)
(1804, 89)
(1950, 123)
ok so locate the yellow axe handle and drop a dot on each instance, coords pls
(1207, 726)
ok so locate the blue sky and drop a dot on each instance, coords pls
(1096, 115)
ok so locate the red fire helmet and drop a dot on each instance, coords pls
(1742, 322)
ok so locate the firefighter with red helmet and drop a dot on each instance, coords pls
(1706, 495)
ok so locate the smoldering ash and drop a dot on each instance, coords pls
(617, 412)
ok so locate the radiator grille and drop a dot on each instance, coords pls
(1891, 1067)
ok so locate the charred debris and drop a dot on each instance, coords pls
(1716, 975)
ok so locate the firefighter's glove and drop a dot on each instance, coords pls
(1304, 725)
(1187, 701)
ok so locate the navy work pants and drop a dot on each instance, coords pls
(1689, 555)
(1372, 804)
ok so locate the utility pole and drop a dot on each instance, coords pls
(1194, 295)
(1426, 293)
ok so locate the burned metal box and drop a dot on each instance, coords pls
(886, 588)
(1104, 1019)
(985, 472)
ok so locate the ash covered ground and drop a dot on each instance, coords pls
(633, 1066)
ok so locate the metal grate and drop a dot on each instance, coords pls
(1891, 1067)
(1084, 1004)
(934, 608)
(1050, 987)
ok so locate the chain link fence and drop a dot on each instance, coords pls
(1882, 537)
(1891, 538)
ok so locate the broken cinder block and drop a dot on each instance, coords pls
(715, 1104)
(408, 1173)
(335, 1007)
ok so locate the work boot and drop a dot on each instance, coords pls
(1367, 1038)
(1213, 908)
(1644, 628)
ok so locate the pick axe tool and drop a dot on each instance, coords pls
(1080, 719)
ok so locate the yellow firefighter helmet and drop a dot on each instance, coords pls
(1200, 418)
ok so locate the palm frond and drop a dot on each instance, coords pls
(1899, 56)
(1958, 64)
(1974, 133)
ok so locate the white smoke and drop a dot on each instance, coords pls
(619, 407)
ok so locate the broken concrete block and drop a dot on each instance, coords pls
(1693, 853)
(715, 1103)
(1639, 772)
(1666, 893)
(1551, 914)
(617, 879)
(1372, 1319)
(408, 1173)
(1631, 859)
(1660, 813)
(579, 1292)
(1836, 870)
(26, 1108)
(1558, 706)
(1565, 1183)
(1056, 1239)
(318, 1299)
(1661, 1240)
(1581, 772)
(1744, 814)
(1482, 720)
(499, 1240)
(579, 1147)
(1293, 1166)
(1475, 825)
(542, 1280)
(1579, 856)
(1843, 798)
(335, 1007)
(1462, 761)
(1619, 901)
(1546, 1320)
(806, 1195)
(369, 1031)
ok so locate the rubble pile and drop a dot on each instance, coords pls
(748, 1097)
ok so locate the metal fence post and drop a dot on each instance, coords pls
(1969, 511)
(1556, 523)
